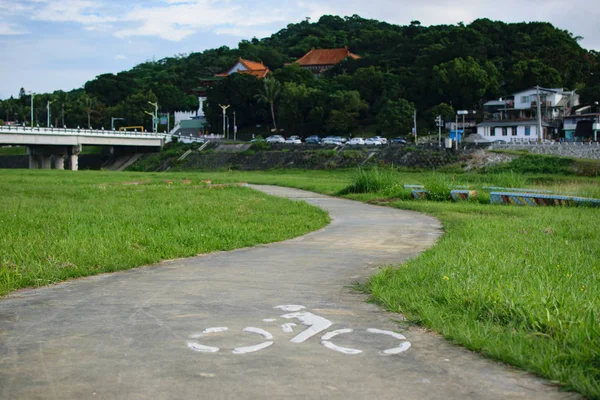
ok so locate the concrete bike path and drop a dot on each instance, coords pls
(159, 332)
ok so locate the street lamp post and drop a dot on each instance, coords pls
(32, 95)
(224, 108)
(154, 116)
(48, 112)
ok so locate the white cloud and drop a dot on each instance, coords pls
(120, 57)
(12, 29)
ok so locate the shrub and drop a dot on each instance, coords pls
(439, 187)
(371, 181)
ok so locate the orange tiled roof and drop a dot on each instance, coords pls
(326, 56)
(253, 68)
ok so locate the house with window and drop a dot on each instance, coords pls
(320, 60)
(515, 119)
(242, 66)
(582, 127)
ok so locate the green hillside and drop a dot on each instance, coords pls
(436, 69)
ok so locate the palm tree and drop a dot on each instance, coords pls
(270, 94)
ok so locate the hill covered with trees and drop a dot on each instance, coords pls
(435, 69)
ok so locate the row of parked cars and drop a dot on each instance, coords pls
(336, 140)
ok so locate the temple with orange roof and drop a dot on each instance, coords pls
(242, 66)
(320, 60)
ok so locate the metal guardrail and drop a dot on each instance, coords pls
(77, 131)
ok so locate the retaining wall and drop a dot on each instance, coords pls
(590, 150)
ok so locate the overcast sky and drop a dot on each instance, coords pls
(60, 44)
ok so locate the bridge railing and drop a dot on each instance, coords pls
(74, 131)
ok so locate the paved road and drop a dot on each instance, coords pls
(159, 332)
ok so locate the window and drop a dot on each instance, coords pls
(514, 130)
(524, 99)
(493, 131)
(504, 131)
(527, 131)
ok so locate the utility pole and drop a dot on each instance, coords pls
(456, 131)
(539, 114)
(63, 114)
(439, 124)
(48, 113)
(234, 128)
(415, 126)
(224, 108)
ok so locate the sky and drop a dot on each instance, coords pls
(48, 45)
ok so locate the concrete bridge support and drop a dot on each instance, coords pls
(42, 156)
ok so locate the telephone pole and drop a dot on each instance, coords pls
(438, 120)
(539, 114)
(415, 126)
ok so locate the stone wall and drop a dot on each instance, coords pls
(590, 150)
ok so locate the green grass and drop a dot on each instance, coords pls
(13, 151)
(517, 284)
(60, 225)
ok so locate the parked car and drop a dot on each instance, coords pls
(313, 140)
(381, 139)
(275, 139)
(374, 141)
(357, 141)
(332, 140)
(342, 139)
(398, 140)
(293, 140)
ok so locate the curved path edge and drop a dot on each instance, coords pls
(271, 321)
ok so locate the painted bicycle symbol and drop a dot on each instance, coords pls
(315, 325)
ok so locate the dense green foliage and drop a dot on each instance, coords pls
(436, 68)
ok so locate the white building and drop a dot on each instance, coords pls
(510, 131)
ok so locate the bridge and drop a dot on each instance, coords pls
(45, 145)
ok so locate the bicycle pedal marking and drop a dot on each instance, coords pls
(315, 325)
(325, 341)
(288, 328)
(256, 347)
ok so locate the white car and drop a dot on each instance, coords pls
(293, 140)
(331, 140)
(356, 142)
(275, 139)
(382, 139)
(373, 142)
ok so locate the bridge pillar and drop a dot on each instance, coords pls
(33, 162)
(73, 152)
(46, 161)
(59, 161)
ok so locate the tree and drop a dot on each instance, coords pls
(346, 107)
(396, 116)
(464, 82)
(269, 95)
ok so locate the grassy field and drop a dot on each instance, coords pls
(59, 225)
